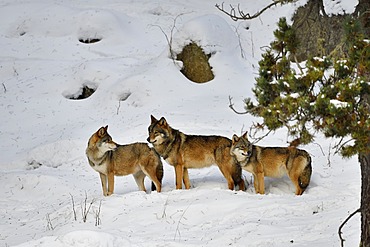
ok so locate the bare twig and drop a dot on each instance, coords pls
(254, 129)
(252, 44)
(73, 207)
(119, 106)
(169, 41)
(340, 145)
(178, 223)
(164, 215)
(231, 106)
(240, 43)
(329, 156)
(15, 71)
(342, 225)
(322, 151)
(169, 38)
(97, 215)
(237, 14)
(49, 225)
(4, 88)
(84, 209)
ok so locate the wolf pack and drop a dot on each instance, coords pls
(183, 152)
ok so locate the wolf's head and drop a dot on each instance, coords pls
(102, 141)
(159, 131)
(241, 148)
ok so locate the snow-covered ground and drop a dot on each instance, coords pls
(45, 180)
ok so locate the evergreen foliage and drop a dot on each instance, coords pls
(328, 94)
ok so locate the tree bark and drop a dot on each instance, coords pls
(363, 12)
(364, 159)
(318, 34)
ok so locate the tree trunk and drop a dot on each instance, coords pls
(318, 34)
(364, 160)
(362, 11)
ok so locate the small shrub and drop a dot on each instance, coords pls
(195, 64)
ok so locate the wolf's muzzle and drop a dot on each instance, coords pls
(152, 142)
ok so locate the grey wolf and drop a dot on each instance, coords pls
(193, 151)
(110, 159)
(272, 162)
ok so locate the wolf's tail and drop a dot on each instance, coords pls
(305, 177)
(159, 173)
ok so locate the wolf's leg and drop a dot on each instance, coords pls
(298, 191)
(110, 183)
(230, 182)
(152, 174)
(153, 168)
(304, 175)
(139, 178)
(158, 185)
(261, 182)
(227, 172)
(296, 174)
(242, 186)
(179, 172)
(260, 179)
(103, 179)
(186, 179)
(295, 177)
(238, 178)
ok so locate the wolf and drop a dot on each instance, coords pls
(111, 159)
(193, 151)
(272, 162)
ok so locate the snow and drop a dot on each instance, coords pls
(295, 95)
(339, 7)
(44, 133)
(338, 103)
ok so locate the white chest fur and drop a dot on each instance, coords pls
(101, 168)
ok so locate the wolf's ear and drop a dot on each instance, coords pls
(162, 121)
(102, 131)
(153, 119)
(235, 138)
(245, 135)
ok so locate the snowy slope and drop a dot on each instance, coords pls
(44, 174)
